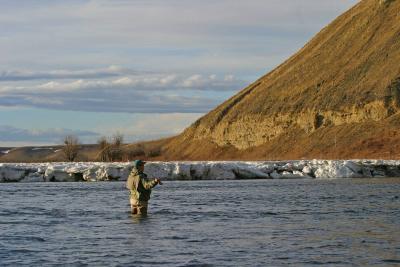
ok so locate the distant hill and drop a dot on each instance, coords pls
(87, 152)
(44, 153)
(338, 97)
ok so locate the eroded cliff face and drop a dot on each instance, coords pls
(255, 130)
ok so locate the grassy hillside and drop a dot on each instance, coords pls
(338, 97)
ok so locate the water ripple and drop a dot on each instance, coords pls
(204, 223)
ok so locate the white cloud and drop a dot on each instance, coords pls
(130, 92)
(23, 75)
(148, 81)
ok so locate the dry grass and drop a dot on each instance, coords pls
(352, 61)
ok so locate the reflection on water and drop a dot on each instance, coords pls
(205, 223)
(138, 218)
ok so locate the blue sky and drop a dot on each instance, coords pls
(146, 69)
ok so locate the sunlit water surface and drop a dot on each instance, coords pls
(203, 223)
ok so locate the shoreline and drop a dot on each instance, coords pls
(200, 170)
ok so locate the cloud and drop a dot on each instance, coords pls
(150, 126)
(164, 82)
(142, 93)
(138, 128)
(26, 75)
(152, 82)
(55, 135)
(111, 101)
(163, 35)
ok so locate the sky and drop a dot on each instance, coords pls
(142, 68)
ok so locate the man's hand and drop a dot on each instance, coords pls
(158, 181)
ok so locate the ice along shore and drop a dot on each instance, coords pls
(200, 170)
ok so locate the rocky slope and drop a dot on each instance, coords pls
(339, 96)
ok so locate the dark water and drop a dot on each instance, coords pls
(209, 223)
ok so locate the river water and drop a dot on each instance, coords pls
(352, 222)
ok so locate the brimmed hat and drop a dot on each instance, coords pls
(138, 163)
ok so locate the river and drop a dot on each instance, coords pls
(342, 222)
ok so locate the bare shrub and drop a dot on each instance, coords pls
(116, 152)
(104, 147)
(71, 147)
(118, 139)
(111, 151)
(103, 142)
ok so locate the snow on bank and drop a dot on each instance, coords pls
(42, 148)
(206, 170)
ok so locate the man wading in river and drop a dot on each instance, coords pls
(140, 188)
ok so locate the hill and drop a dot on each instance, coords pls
(338, 97)
(44, 153)
(150, 150)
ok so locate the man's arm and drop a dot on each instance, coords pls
(149, 183)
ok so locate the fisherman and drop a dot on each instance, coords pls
(140, 188)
